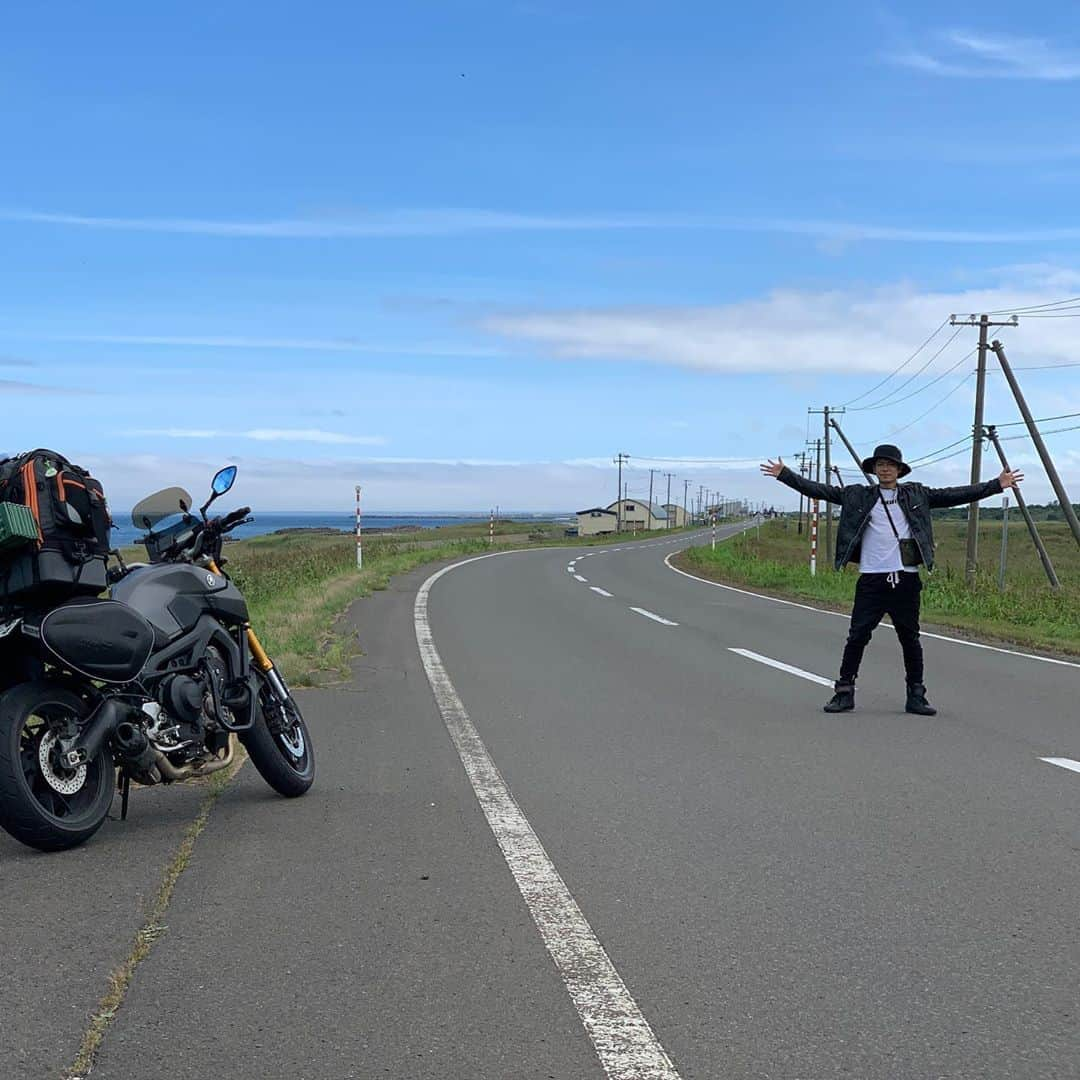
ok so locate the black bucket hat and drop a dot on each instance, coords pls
(886, 450)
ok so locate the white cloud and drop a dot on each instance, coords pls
(406, 223)
(204, 341)
(969, 54)
(308, 435)
(789, 331)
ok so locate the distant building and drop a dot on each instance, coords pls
(639, 515)
(677, 516)
(596, 520)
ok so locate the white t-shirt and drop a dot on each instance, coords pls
(880, 553)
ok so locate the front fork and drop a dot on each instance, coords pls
(259, 654)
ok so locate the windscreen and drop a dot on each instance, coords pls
(155, 508)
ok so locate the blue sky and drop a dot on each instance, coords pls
(464, 253)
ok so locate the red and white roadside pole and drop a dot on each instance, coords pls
(491, 530)
(359, 544)
(813, 540)
(714, 532)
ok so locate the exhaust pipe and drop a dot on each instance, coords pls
(99, 729)
(133, 748)
(172, 773)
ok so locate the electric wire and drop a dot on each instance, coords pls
(940, 401)
(890, 397)
(921, 389)
(897, 371)
(1035, 307)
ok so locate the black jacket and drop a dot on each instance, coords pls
(857, 500)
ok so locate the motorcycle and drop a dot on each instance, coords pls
(153, 685)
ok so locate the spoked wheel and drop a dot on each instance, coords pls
(279, 744)
(44, 803)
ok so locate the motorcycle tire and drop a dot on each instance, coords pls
(285, 761)
(42, 803)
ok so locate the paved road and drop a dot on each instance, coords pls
(782, 892)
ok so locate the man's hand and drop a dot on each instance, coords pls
(1010, 478)
(775, 468)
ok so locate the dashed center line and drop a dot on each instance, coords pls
(602, 592)
(652, 615)
(1063, 762)
(580, 578)
(780, 665)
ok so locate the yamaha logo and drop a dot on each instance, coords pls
(211, 580)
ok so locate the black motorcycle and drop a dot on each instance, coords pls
(154, 685)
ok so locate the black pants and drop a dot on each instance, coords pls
(874, 598)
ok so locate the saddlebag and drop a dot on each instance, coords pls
(67, 556)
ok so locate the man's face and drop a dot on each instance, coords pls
(886, 470)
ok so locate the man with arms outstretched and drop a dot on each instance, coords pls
(886, 528)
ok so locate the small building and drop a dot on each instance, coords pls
(596, 520)
(677, 516)
(638, 515)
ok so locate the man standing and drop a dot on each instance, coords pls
(886, 529)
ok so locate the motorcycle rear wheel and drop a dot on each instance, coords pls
(42, 803)
(285, 757)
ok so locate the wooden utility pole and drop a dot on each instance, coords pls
(851, 449)
(685, 497)
(826, 412)
(1033, 532)
(983, 322)
(1040, 446)
(668, 511)
(619, 492)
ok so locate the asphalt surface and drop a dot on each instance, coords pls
(785, 893)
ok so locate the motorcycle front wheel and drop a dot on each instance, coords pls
(279, 744)
(43, 803)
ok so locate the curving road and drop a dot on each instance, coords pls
(654, 856)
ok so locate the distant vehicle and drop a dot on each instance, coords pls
(571, 531)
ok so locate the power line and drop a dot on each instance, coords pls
(889, 397)
(940, 401)
(921, 389)
(1040, 420)
(892, 373)
(1036, 307)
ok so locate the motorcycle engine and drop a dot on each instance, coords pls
(190, 702)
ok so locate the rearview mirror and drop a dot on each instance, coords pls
(224, 480)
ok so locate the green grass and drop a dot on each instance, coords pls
(1027, 612)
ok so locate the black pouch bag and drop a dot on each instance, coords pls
(910, 555)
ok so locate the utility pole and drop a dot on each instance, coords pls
(650, 510)
(669, 476)
(685, 493)
(1033, 532)
(854, 454)
(826, 412)
(619, 492)
(802, 472)
(1040, 446)
(983, 322)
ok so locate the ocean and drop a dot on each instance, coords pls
(124, 533)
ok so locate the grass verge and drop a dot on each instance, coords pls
(1026, 612)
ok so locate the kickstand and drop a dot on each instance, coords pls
(125, 791)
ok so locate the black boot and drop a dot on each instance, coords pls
(916, 701)
(844, 698)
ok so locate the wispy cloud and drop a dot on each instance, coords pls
(14, 386)
(392, 223)
(968, 54)
(200, 341)
(440, 223)
(304, 435)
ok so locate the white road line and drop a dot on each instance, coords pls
(783, 667)
(626, 1045)
(1064, 762)
(570, 570)
(580, 578)
(655, 618)
(602, 592)
(841, 615)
